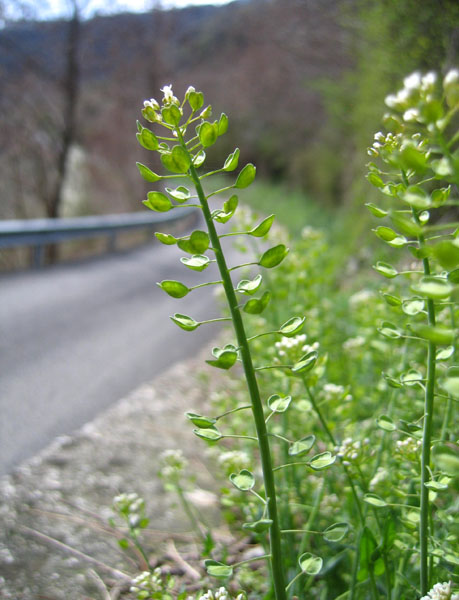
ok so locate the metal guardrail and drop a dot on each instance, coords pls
(39, 233)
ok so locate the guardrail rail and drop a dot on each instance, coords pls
(39, 233)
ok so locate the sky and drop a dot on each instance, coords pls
(50, 9)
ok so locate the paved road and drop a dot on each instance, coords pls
(76, 338)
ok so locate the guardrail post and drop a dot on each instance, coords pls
(38, 256)
(111, 247)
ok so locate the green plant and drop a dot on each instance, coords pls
(324, 387)
(421, 154)
(182, 154)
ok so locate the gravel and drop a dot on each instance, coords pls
(55, 507)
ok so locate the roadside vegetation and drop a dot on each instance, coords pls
(344, 479)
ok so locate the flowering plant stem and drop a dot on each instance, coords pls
(426, 443)
(257, 408)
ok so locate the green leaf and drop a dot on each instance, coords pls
(262, 228)
(305, 364)
(197, 262)
(225, 359)
(246, 176)
(218, 569)
(249, 286)
(165, 238)
(291, 327)
(416, 197)
(336, 532)
(208, 133)
(197, 243)
(310, 564)
(445, 458)
(375, 210)
(436, 485)
(374, 500)
(405, 224)
(444, 353)
(391, 382)
(196, 100)
(147, 139)
(273, 257)
(232, 161)
(222, 124)
(185, 322)
(180, 194)
(413, 159)
(385, 233)
(174, 288)
(440, 196)
(199, 158)
(210, 434)
(386, 423)
(375, 180)
(244, 480)
(258, 526)
(256, 306)
(447, 253)
(433, 287)
(453, 276)
(171, 114)
(279, 404)
(413, 306)
(301, 447)
(123, 543)
(322, 461)
(437, 334)
(385, 269)
(389, 330)
(146, 173)
(200, 421)
(411, 377)
(229, 208)
(177, 161)
(392, 300)
(158, 202)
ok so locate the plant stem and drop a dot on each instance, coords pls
(426, 437)
(257, 407)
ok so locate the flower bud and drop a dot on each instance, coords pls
(451, 87)
(206, 112)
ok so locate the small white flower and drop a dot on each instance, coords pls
(429, 80)
(441, 591)
(413, 81)
(451, 78)
(412, 114)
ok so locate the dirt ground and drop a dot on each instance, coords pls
(54, 508)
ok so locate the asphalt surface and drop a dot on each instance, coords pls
(76, 338)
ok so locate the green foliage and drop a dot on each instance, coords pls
(356, 386)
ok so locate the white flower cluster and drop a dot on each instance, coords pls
(172, 463)
(441, 591)
(381, 476)
(350, 450)
(413, 85)
(332, 390)
(129, 503)
(408, 446)
(234, 460)
(286, 344)
(146, 581)
(353, 343)
(389, 141)
(361, 297)
(221, 594)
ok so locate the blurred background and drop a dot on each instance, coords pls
(303, 81)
